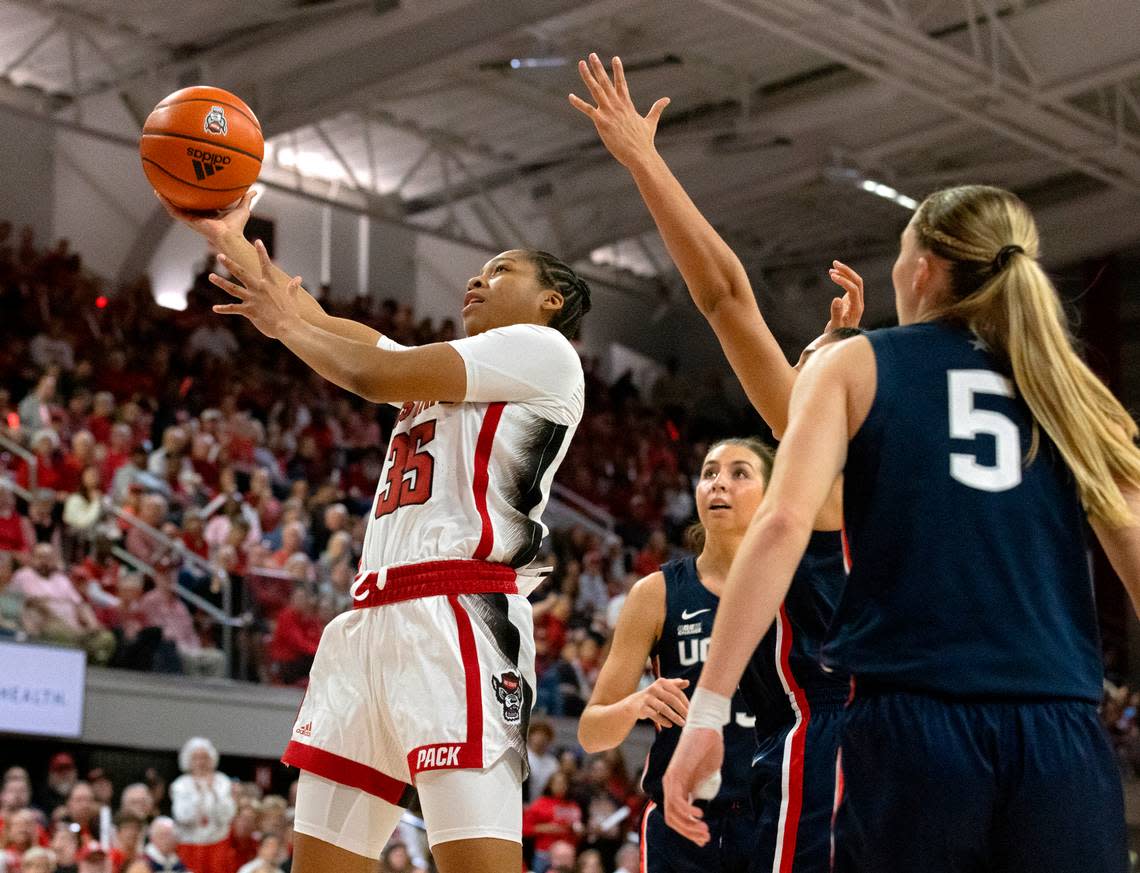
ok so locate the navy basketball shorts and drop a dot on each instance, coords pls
(730, 849)
(794, 773)
(946, 786)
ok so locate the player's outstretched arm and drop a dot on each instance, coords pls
(274, 304)
(616, 705)
(225, 233)
(713, 273)
(1122, 545)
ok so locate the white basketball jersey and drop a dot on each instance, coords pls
(471, 479)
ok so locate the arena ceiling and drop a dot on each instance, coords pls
(451, 115)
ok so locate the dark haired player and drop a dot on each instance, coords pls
(668, 619)
(797, 704)
(429, 679)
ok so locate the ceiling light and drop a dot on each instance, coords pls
(877, 188)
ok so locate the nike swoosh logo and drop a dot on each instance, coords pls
(686, 615)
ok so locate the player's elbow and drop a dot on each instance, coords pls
(782, 523)
(588, 738)
(711, 296)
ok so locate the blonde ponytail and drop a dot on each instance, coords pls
(1011, 305)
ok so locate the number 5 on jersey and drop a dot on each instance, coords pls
(410, 470)
(968, 422)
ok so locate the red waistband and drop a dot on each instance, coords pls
(431, 579)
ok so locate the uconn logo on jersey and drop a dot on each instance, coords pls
(693, 651)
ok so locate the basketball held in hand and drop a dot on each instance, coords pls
(201, 148)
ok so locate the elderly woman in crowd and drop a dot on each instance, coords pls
(203, 805)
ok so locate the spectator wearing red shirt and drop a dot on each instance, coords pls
(193, 536)
(97, 578)
(81, 456)
(292, 541)
(118, 453)
(552, 614)
(260, 497)
(551, 818)
(655, 553)
(16, 534)
(243, 836)
(50, 472)
(128, 842)
(295, 637)
(102, 417)
(204, 452)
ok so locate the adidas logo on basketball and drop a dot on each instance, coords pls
(305, 730)
(206, 163)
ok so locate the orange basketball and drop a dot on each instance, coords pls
(201, 148)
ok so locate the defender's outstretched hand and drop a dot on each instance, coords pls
(627, 135)
(846, 311)
(213, 227)
(269, 299)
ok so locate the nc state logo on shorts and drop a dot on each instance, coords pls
(508, 691)
(216, 121)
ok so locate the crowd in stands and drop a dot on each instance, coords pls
(186, 471)
(177, 451)
(580, 817)
(189, 472)
(203, 821)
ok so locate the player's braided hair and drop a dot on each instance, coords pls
(554, 273)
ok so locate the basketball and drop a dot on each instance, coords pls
(201, 148)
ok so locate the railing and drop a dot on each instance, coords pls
(29, 458)
(222, 617)
(592, 511)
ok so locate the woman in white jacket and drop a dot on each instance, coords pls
(203, 806)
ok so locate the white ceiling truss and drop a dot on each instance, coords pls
(413, 111)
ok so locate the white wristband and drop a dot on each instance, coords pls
(708, 709)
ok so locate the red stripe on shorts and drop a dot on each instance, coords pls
(468, 754)
(644, 836)
(794, 748)
(344, 771)
(846, 549)
(482, 476)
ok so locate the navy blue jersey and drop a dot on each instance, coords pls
(969, 573)
(787, 661)
(680, 653)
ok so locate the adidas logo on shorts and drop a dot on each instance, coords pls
(305, 730)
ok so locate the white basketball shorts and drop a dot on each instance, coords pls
(433, 670)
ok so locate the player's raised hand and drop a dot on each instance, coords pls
(267, 298)
(664, 702)
(696, 761)
(213, 226)
(846, 311)
(627, 135)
